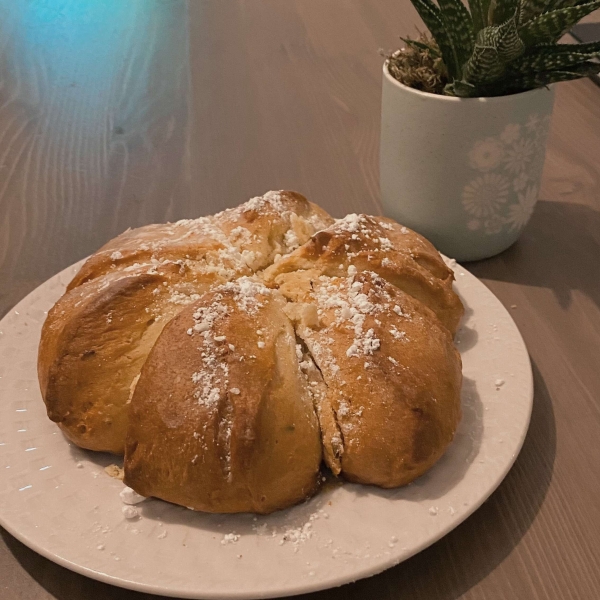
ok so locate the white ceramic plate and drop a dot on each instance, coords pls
(58, 500)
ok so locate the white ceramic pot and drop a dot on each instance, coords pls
(464, 172)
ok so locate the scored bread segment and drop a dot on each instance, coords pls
(390, 403)
(399, 255)
(222, 419)
(94, 343)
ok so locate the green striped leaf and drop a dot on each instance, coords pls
(510, 45)
(529, 9)
(494, 48)
(550, 26)
(485, 64)
(543, 78)
(559, 57)
(479, 13)
(588, 47)
(461, 89)
(432, 18)
(558, 4)
(459, 26)
(501, 11)
(513, 84)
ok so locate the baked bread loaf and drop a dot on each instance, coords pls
(229, 355)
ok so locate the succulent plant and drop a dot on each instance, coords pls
(501, 47)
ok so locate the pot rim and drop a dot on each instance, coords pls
(480, 99)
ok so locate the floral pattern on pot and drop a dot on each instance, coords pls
(507, 170)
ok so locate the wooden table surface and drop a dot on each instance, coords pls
(118, 113)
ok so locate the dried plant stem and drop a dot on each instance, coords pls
(419, 67)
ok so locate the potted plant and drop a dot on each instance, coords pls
(465, 115)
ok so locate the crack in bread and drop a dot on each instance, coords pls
(332, 438)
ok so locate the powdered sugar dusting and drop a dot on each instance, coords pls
(291, 240)
(247, 292)
(218, 251)
(212, 379)
(230, 538)
(352, 306)
(180, 298)
(364, 228)
(324, 357)
(298, 535)
(398, 335)
(271, 200)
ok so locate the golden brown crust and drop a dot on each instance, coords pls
(97, 336)
(94, 343)
(221, 418)
(232, 243)
(230, 392)
(396, 253)
(372, 336)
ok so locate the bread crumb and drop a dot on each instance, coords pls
(115, 472)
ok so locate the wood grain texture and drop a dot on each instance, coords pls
(119, 113)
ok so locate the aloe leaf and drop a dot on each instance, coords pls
(459, 26)
(485, 64)
(550, 26)
(559, 57)
(558, 4)
(587, 47)
(527, 81)
(510, 45)
(543, 78)
(479, 13)
(501, 11)
(529, 9)
(432, 18)
(461, 89)
(495, 46)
